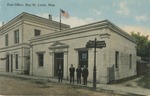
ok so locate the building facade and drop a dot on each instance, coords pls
(35, 45)
(114, 62)
(15, 44)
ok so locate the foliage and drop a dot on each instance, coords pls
(143, 45)
(145, 81)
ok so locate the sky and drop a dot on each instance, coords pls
(129, 15)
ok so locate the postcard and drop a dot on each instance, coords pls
(75, 47)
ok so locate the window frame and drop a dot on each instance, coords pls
(6, 40)
(117, 59)
(36, 32)
(16, 60)
(130, 61)
(16, 36)
(83, 58)
(39, 61)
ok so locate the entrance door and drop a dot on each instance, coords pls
(7, 63)
(11, 62)
(58, 60)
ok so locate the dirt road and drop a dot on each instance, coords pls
(19, 86)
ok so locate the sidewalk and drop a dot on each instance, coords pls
(131, 91)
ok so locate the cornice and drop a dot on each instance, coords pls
(66, 39)
(85, 28)
(45, 22)
(58, 45)
(119, 31)
(17, 18)
(33, 18)
(34, 22)
(44, 27)
(10, 27)
(15, 45)
(64, 33)
(81, 49)
(41, 19)
(18, 48)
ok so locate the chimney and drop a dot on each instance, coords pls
(50, 17)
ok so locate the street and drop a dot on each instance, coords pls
(21, 86)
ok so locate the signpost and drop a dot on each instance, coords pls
(95, 44)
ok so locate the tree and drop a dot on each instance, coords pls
(143, 45)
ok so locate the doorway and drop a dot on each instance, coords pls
(7, 63)
(11, 62)
(58, 60)
(111, 71)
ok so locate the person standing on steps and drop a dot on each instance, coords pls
(85, 74)
(71, 69)
(79, 72)
(60, 73)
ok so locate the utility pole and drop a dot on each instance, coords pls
(94, 69)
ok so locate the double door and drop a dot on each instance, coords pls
(9, 63)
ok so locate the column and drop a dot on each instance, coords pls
(52, 62)
(65, 65)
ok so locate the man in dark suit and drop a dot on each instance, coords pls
(85, 74)
(60, 73)
(71, 69)
(79, 71)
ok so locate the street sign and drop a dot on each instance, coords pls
(100, 41)
(99, 44)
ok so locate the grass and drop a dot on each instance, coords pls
(145, 81)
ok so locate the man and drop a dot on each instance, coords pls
(79, 71)
(60, 73)
(71, 69)
(85, 74)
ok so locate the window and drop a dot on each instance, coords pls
(117, 59)
(130, 61)
(37, 32)
(40, 59)
(16, 36)
(83, 58)
(6, 40)
(16, 60)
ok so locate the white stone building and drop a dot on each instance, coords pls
(21, 50)
(114, 62)
(14, 40)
